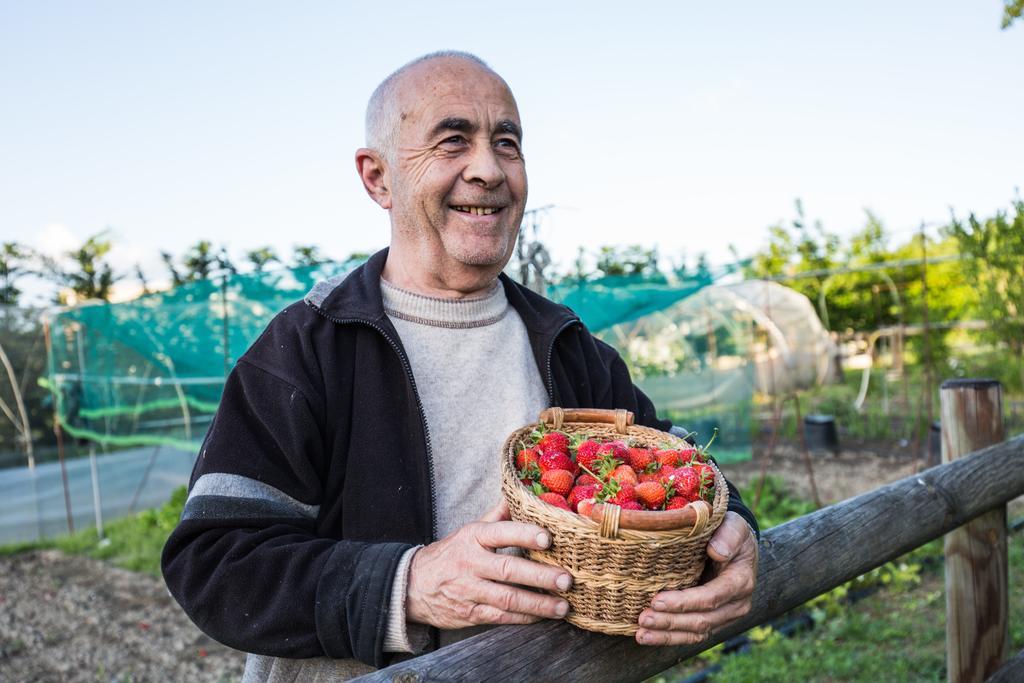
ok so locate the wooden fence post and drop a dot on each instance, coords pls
(977, 632)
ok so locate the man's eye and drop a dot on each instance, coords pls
(453, 140)
(507, 144)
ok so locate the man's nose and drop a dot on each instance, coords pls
(483, 167)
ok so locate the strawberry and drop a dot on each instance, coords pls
(526, 457)
(555, 499)
(553, 442)
(586, 506)
(616, 449)
(555, 460)
(557, 481)
(689, 454)
(626, 493)
(668, 458)
(579, 494)
(587, 480)
(676, 502)
(586, 452)
(651, 494)
(686, 483)
(706, 474)
(639, 458)
(666, 474)
(631, 505)
(625, 474)
(649, 476)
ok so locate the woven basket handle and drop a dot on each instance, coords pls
(611, 518)
(558, 416)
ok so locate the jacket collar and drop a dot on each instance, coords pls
(357, 296)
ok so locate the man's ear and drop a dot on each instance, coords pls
(373, 172)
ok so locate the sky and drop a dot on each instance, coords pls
(683, 125)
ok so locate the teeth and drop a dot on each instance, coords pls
(475, 210)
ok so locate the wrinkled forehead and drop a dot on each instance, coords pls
(454, 88)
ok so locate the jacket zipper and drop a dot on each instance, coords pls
(551, 350)
(419, 406)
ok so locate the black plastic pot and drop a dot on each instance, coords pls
(821, 433)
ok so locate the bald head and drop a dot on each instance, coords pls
(384, 110)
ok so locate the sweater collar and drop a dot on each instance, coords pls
(357, 296)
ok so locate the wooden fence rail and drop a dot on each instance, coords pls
(799, 560)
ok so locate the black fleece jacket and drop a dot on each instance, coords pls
(315, 476)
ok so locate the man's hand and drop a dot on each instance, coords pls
(690, 616)
(460, 581)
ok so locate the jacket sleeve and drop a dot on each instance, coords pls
(626, 393)
(245, 561)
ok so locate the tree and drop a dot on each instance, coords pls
(307, 255)
(14, 260)
(995, 268)
(259, 258)
(1012, 10)
(89, 278)
(631, 260)
(198, 264)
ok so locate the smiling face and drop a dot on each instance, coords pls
(456, 185)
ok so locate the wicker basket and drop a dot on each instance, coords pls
(616, 571)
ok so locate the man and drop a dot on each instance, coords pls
(345, 503)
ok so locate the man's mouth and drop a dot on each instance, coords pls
(477, 210)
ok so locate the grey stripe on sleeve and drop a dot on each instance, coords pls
(218, 485)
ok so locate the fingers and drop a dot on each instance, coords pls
(734, 582)
(482, 613)
(669, 628)
(513, 600)
(497, 513)
(505, 534)
(730, 536)
(512, 569)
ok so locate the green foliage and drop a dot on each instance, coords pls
(89, 276)
(778, 505)
(260, 258)
(14, 260)
(307, 255)
(631, 260)
(1012, 10)
(995, 266)
(133, 542)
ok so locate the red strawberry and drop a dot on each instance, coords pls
(639, 458)
(557, 481)
(553, 442)
(585, 506)
(555, 499)
(706, 474)
(689, 453)
(649, 476)
(687, 483)
(587, 480)
(676, 502)
(668, 458)
(651, 494)
(581, 493)
(555, 460)
(586, 452)
(631, 505)
(526, 457)
(616, 449)
(626, 493)
(625, 474)
(666, 474)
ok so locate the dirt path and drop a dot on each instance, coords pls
(69, 618)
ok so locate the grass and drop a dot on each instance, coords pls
(133, 542)
(896, 633)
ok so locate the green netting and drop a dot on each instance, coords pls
(150, 371)
(614, 299)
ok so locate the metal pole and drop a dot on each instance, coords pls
(93, 469)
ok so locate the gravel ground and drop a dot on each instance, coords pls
(69, 618)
